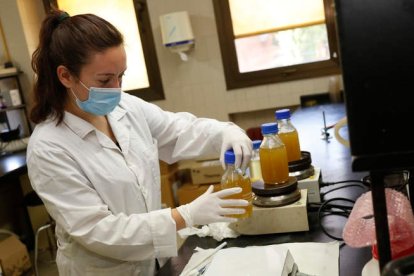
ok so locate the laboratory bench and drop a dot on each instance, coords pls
(334, 160)
(328, 154)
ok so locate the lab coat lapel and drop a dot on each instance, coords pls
(105, 141)
(121, 128)
(83, 128)
(77, 125)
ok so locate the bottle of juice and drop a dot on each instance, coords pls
(273, 156)
(254, 166)
(288, 134)
(233, 177)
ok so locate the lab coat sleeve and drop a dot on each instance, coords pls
(182, 135)
(75, 205)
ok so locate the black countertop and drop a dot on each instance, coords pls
(334, 159)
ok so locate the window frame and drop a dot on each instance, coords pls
(235, 79)
(155, 91)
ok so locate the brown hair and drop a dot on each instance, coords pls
(69, 41)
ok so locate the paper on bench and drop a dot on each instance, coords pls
(312, 258)
(252, 260)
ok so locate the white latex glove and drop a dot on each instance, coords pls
(235, 138)
(211, 207)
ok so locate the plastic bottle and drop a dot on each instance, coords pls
(254, 166)
(371, 268)
(288, 134)
(233, 177)
(273, 156)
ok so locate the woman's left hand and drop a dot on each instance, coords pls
(235, 138)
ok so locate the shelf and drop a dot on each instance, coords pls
(20, 106)
(9, 78)
(8, 72)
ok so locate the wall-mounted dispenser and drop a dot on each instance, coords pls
(177, 34)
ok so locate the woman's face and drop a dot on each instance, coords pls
(105, 69)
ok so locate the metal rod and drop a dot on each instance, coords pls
(381, 221)
(411, 187)
(325, 133)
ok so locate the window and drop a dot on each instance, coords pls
(268, 41)
(131, 17)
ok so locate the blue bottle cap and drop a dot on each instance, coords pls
(229, 157)
(269, 128)
(256, 144)
(282, 114)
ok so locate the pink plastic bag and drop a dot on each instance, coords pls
(359, 231)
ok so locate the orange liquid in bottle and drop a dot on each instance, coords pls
(246, 194)
(274, 165)
(291, 141)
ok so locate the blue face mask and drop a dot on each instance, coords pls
(101, 101)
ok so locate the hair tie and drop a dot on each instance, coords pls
(63, 16)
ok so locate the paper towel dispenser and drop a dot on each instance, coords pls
(177, 34)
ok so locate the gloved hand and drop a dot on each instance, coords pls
(235, 138)
(211, 207)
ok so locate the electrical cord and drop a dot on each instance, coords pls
(327, 209)
(345, 186)
(316, 207)
(324, 184)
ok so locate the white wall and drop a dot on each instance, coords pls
(31, 15)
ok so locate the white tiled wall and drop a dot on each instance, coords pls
(198, 85)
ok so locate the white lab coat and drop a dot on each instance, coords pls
(107, 201)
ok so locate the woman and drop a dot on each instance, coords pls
(93, 157)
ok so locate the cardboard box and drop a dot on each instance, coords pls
(168, 190)
(188, 192)
(14, 258)
(168, 183)
(203, 171)
(166, 168)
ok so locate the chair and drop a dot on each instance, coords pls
(31, 199)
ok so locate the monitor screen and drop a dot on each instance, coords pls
(376, 39)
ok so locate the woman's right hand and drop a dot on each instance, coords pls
(212, 207)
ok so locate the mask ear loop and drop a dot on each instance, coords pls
(84, 85)
(73, 93)
(71, 90)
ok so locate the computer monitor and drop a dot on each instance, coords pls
(376, 39)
